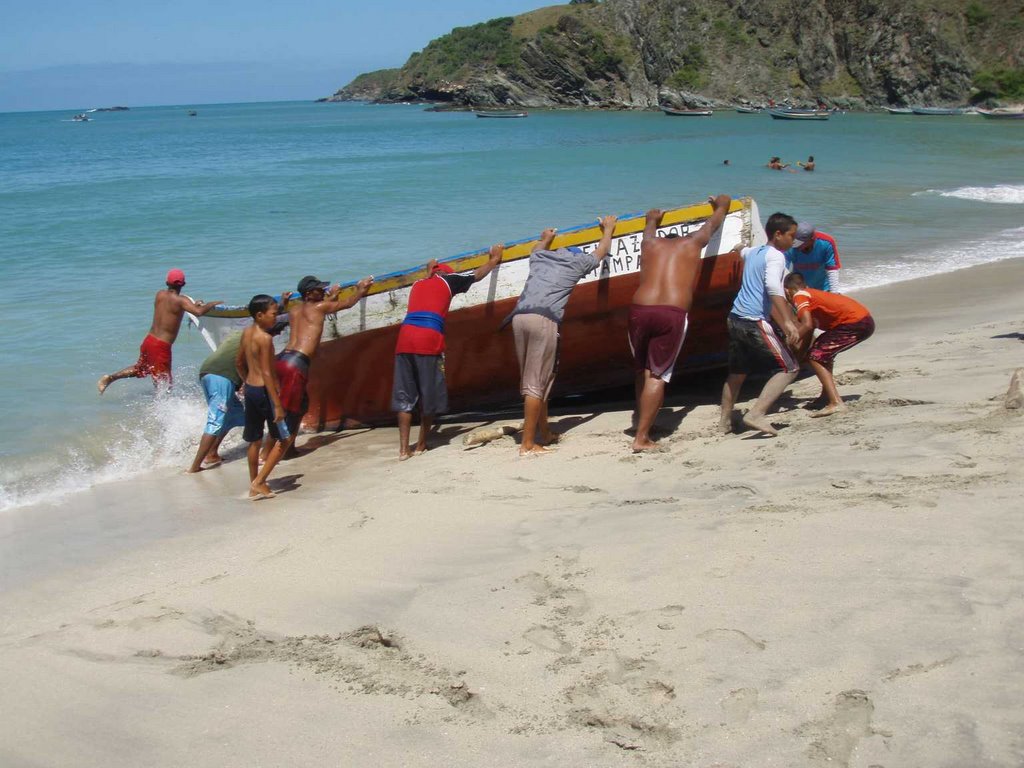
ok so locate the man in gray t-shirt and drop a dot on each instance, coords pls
(535, 321)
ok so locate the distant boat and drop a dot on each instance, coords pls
(799, 114)
(749, 110)
(502, 114)
(81, 118)
(937, 110)
(192, 113)
(1002, 114)
(899, 110)
(687, 112)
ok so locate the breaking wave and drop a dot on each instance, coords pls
(1004, 194)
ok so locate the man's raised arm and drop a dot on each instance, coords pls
(544, 241)
(197, 308)
(333, 304)
(607, 228)
(494, 260)
(651, 224)
(719, 208)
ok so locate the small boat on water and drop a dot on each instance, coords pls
(687, 112)
(350, 377)
(1002, 114)
(899, 110)
(81, 118)
(502, 114)
(937, 110)
(749, 110)
(799, 114)
(192, 113)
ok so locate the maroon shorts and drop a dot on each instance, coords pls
(656, 334)
(839, 339)
(154, 359)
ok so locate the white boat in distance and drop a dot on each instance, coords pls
(749, 110)
(687, 112)
(937, 110)
(899, 110)
(1002, 114)
(501, 114)
(799, 114)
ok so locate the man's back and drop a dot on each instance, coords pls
(668, 272)
(167, 313)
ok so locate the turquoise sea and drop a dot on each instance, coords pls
(248, 198)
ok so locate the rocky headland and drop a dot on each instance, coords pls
(626, 54)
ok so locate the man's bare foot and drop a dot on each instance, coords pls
(103, 383)
(212, 461)
(537, 450)
(725, 425)
(828, 410)
(550, 438)
(260, 491)
(420, 449)
(761, 425)
(817, 403)
(641, 446)
(404, 455)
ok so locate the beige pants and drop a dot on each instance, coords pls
(537, 349)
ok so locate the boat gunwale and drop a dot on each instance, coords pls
(627, 224)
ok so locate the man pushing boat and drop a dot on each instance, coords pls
(659, 313)
(169, 307)
(419, 381)
(307, 326)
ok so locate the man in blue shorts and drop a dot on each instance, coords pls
(754, 343)
(815, 255)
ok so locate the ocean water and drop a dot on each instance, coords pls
(248, 198)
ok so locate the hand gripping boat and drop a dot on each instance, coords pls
(351, 375)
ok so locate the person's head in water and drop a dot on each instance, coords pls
(725, 162)
(263, 310)
(794, 282)
(175, 280)
(810, 158)
(781, 231)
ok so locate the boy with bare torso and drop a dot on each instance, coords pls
(255, 362)
(169, 307)
(307, 326)
(659, 313)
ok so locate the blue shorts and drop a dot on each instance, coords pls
(224, 410)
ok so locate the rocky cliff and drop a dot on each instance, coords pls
(641, 53)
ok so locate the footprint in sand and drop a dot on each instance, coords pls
(547, 639)
(837, 735)
(736, 707)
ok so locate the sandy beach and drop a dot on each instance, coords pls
(848, 594)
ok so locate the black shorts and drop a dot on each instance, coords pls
(755, 347)
(258, 411)
(419, 382)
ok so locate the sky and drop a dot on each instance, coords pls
(66, 54)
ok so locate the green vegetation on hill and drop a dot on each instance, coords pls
(999, 83)
(489, 44)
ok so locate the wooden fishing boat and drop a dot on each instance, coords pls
(799, 114)
(350, 377)
(1002, 114)
(687, 112)
(502, 114)
(937, 110)
(749, 110)
(899, 110)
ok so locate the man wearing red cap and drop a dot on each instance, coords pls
(419, 382)
(169, 307)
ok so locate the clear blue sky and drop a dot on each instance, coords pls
(69, 54)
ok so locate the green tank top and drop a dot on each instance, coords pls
(222, 361)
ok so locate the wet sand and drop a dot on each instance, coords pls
(848, 594)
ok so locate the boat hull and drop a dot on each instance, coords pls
(993, 115)
(936, 111)
(351, 374)
(781, 114)
(687, 112)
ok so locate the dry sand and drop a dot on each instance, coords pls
(849, 594)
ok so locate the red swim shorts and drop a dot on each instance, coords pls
(154, 359)
(839, 339)
(656, 334)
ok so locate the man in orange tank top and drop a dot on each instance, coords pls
(845, 323)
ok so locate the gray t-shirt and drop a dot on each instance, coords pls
(553, 275)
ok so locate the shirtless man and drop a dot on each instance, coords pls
(255, 363)
(658, 315)
(307, 326)
(169, 307)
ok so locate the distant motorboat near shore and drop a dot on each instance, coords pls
(899, 110)
(937, 110)
(1002, 114)
(749, 110)
(687, 112)
(505, 114)
(800, 114)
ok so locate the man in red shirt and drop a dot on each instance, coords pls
(419, 382)
(845, 323)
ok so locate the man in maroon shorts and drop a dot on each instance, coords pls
(658, 315)
(169, 307)
(845, 323)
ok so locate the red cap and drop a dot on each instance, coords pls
(442, 268)
(175, 277)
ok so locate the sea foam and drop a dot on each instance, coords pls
(1004, 194)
